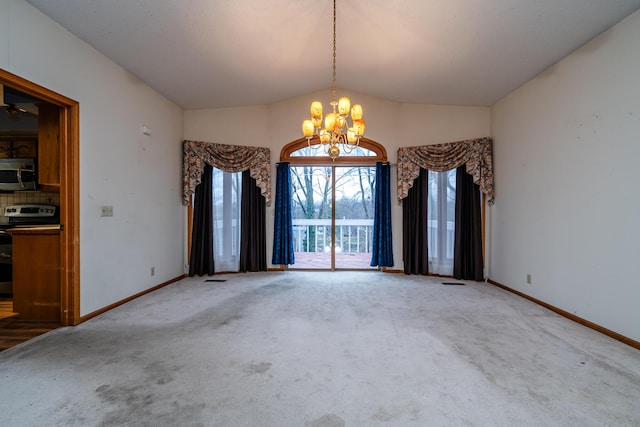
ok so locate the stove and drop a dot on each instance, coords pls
(31, 214)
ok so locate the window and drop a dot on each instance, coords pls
(441, 217)
(332, 204)
(319, 151)
(227, 189)
(332, 213)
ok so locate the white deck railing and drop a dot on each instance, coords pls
(352, 235)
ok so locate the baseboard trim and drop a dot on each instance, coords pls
(633, 343)
(131, 298)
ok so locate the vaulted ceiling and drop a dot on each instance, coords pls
(210, 54)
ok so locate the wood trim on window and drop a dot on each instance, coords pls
(325, 160)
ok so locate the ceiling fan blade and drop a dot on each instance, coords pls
(14, 110)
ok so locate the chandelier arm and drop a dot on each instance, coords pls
(348, 148)
(312, 146)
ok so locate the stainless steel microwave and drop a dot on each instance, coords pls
(17, 174)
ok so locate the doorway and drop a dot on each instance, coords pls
(332, 205)
(68, 143)
(332, 211)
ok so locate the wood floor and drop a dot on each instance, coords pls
(14, 331)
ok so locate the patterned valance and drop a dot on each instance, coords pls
(476, 154)
(229, 158)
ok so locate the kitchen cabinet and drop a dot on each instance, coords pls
(36, 273)
(18, 147)
(49, 147)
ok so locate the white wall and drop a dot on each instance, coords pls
(566, 147)
(5, 30)
(139, 175)
(392, 124)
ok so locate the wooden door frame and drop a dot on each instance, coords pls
(69, 192)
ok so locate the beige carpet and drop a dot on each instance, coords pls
(322, 349)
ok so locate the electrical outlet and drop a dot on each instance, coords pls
(153, 271)
(528, 279)
(106, 211)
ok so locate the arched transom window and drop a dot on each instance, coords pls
(299, 151)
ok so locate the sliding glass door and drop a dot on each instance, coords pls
(312, 192)
(332, 216)
(354, 216)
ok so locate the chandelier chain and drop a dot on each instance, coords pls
(337, 130)
(334, 51)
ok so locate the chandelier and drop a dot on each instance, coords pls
(337, 130)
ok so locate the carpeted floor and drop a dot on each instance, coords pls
(322, 350)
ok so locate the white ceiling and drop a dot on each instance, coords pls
(223, 53)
